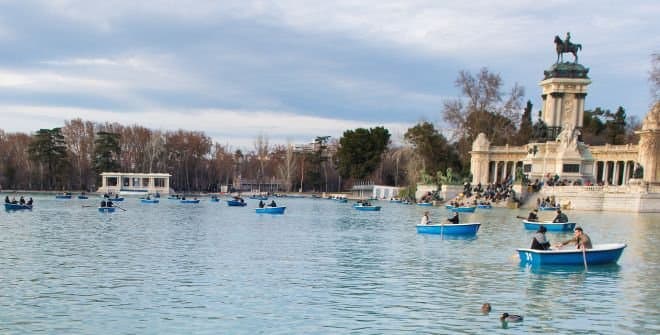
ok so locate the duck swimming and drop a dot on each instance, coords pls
(510, 318)
(485, 308)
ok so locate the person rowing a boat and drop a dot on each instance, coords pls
(7, 201)
(261, 204)
(539, 241)
(581, 240)
(425, 219)
(533, 217)
(454, 219)
(561, 217)
(273, 204)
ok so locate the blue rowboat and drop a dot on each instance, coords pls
(367, 208)
(548, 208)
(235, 203)
(550, 226)
(485, 206)
(424, 204)
(83, 197)
(16, 207)
(342, 200)
(449, 206)
(215, 199)
(464, 209)
(258, 197)
(599, 254)
(193, 201)
(396, 201)
(117, 199)
(149, 201)
(270, 210)
(449, 229)
(63, 196)
(107, 209)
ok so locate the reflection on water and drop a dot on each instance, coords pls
(323, 267)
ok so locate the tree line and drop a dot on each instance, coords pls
(72, 157)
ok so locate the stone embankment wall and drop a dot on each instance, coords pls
(635, 197)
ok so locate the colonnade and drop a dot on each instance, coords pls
(613, 172)
(500, 171)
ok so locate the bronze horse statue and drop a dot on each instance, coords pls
(566, 47)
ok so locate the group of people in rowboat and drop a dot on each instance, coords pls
(541, 242)
(559, 218)
(426, 220)
(106, 203)
(262, 204)
(20, 201)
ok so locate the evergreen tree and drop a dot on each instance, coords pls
(360, 151)
(526, 128)
(49, 149)
(431, 147)
(106, 152)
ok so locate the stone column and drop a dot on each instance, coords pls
(606, 168)
(580, 97)
(615, 173)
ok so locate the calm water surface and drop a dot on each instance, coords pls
(321, 268)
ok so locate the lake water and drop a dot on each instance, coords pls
(321, 268)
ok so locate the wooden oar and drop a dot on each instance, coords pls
(119, 207)
(87, 206)
(584, 255)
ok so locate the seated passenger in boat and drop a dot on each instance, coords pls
(29, 202)
(454, 219)
(560, 218)
(7, 200)
(272, 204)
(539, 241)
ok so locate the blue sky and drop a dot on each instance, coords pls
(294, 70)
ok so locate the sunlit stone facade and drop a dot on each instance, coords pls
(617, 177)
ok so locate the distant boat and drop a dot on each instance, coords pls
(550, 226)
(258, 197)
(424, 204)
(464, 209)
(107, 209)
(484, 206)
(16, 207)
(190, 201)
(396, 201)
(215, 199)
(367, 208)
(236, 203)
(449, 229)
(63, 196)
(270, 210)
(548, 208)
(83, 197)
(599, 254)
(149, 201)
(118, 199)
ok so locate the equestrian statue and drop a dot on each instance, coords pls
(566, 47)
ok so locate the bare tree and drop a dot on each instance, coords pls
(261, 149)
(654, 77)
(287, 166)
(482, 108)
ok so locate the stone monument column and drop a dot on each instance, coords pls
(479, 158)
(564, 89)
(649, 145)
